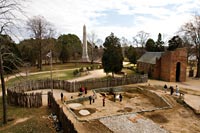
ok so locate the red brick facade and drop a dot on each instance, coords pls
(170, 67)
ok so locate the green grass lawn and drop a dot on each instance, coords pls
(60, 75)
(58, 67)
(37, 121)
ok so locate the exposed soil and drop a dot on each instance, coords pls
(179, 118)
(158, 118)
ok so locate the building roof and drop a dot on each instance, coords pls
(150, 57)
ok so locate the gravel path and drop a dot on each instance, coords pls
(132, 123)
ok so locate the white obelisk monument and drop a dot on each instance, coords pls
(85, 57)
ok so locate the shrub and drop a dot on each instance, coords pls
(81, 69)
(75, 72)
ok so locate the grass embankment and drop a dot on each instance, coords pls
(26, 120)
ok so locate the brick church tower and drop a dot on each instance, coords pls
(174, 65)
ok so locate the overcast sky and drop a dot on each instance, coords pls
(122, 17)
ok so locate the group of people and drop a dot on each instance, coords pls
(92, 99)
(82, 90)
(114, 97)
(118, 96)
(171, 89)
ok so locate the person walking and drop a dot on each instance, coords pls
(61, 95)
(85, 90)
(171, 90)
(177, 90)
(93, 98)
(114, 97)
(165, 88)
(120, 97)
(104, 101)
(90, 98)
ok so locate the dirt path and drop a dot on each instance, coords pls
(190, 83)
(92, 74)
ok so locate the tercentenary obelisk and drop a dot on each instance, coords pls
(85, 57)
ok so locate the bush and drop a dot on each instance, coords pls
(88, 68)
(81, 69)
(75, 72)
(92, 67)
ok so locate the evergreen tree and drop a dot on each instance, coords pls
(159, 44)
(112, 59)
(64, 55)
(150, 45)
(72, 43)
(132, 55)
(175, 42)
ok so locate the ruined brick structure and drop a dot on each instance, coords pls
(168, 66)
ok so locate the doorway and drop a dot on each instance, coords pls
(178, 71)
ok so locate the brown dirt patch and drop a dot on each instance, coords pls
(158, 118)
(95, 126)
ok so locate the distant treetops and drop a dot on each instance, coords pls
(158, 46)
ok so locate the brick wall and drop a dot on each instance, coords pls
(165, 67)
(169, 62)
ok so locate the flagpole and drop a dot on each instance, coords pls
(51, 73)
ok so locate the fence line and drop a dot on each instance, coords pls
(16, 95)
(29, 100)
(74, 86)
(67, 125)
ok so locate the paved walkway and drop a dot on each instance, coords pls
(131, 123)
(91, 74)
(193, 101)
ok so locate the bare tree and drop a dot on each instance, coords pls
(9, 11)
(93, 40)
(124, 43)
(191, 31)
(140, 39)
(40, 29)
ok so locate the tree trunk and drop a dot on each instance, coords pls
(3, 92)
(198, 68)
(198, 62)
(40, 55)
(113, 74)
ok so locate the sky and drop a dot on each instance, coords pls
(122, 17)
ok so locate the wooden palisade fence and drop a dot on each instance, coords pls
(69, 128)
(17, 94)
